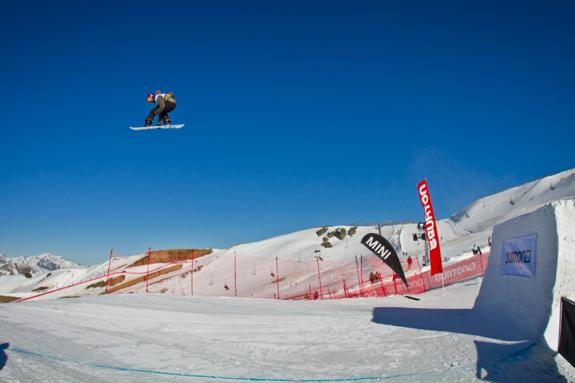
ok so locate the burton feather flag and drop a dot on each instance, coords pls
(431, 234)
(383, 249)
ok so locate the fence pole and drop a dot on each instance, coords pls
(235, 277)
(319, 278)
(108, 273)
(382, 287)
(149, 253)
(277, 279)
(192, 274)
(361, 268)
(361, 273)
(358, 278)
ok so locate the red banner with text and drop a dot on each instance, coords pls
(431, 234)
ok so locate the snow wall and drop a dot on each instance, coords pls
(529, 305)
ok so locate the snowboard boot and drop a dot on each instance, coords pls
(148, 123)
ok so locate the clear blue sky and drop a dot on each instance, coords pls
(298, 113)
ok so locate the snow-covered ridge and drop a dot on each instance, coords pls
(494, 209)
(35, 264)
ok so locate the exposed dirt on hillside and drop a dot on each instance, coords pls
(111, 282)
(172, 255)
(141, 279)
(5, 299)
(115, 280)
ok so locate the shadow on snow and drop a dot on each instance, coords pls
(520, 358)
(3, 356)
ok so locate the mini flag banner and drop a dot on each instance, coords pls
(383, 249)
(431, 234)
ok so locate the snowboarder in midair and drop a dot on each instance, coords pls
(165, 103)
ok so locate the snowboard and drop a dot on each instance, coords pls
(173, 126)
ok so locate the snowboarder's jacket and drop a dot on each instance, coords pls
(162, 100)
(165, 103)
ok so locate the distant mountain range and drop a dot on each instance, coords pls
(28, 266)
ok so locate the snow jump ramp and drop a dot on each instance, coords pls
(523, 282)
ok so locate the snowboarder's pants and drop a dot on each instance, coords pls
(163, 115)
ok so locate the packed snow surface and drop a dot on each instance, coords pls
(153, 338)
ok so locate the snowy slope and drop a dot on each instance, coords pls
(298, 253)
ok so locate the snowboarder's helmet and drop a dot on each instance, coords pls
(151, 98)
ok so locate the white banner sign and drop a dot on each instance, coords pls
(518, 256)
